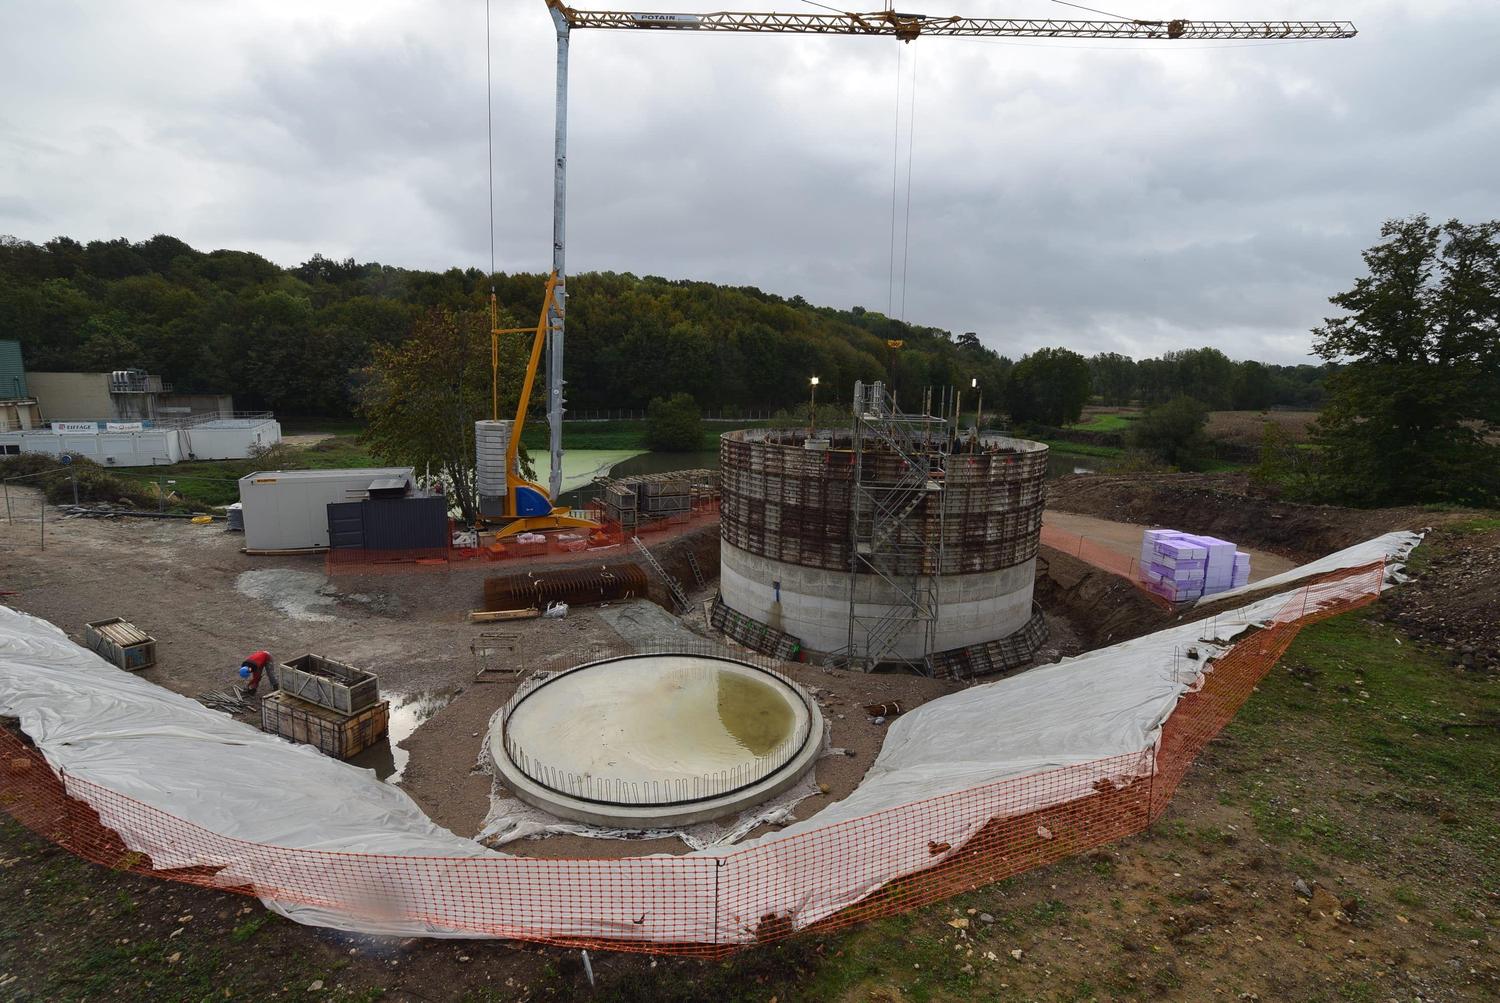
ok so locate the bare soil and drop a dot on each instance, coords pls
(1454, 603)
(1125, 538)
(1231, 506)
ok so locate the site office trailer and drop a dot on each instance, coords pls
(288, 509)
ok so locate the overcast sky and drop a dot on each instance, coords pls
(1106, 196)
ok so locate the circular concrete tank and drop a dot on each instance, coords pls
(785, 539)
(646, 741)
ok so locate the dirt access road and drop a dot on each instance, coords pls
(1125, 538)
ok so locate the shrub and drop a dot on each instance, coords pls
(674, 425)
(1174, 432)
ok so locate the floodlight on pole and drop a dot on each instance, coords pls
(812, 407)
(979, 410)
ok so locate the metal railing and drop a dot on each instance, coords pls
(665, 791)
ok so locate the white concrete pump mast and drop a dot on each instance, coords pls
(887, 23)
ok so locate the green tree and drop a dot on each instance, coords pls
(1048, 387)
(1114, 377)
(1253, 387)
(674, 424)
(423, 396)
(1173, 432)
(1205, 374)
(107, 345)
(1407, 415)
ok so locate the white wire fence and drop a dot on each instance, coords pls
(684, 789)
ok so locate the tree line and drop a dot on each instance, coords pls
(301, 340)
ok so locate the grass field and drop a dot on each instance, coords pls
(1248, 427)
(1105, 422)
(215, 482)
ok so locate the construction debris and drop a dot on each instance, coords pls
(568, 585)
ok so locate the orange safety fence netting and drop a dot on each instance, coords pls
(847, 872)
(1101, 556)
(556, 546)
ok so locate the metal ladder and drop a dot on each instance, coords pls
(673, 585)
(692, 560)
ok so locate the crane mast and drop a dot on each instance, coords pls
(887, 23)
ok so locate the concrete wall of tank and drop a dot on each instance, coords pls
(812, 604)
(785, 519)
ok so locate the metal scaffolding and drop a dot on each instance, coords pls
(900, 469)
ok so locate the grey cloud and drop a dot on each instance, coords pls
(1107, 198)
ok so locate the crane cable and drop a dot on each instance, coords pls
(890, 272)
(911, 142)
(489, 137)
(911, 127)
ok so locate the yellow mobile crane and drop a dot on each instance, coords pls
(525, 501)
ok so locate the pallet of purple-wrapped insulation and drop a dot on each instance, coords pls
(1185, 566)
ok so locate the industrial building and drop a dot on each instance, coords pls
(126, 418)
(18, 409)
(890, 543)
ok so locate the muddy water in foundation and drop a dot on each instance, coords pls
(661, 719)
(408, 712)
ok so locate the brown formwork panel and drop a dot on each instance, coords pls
(790, 504)
(330, 732)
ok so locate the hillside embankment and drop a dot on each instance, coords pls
(1452, 602)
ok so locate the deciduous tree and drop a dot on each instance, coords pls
(1406, 416)
(1049, 386)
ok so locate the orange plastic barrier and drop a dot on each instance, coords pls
(700, 905)
(1100, 556)
(359, 561)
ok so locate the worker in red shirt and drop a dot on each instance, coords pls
(251, 669)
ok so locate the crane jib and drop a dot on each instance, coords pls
(890, 23)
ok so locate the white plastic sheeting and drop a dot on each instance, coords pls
(94, 722)
(1390, 546)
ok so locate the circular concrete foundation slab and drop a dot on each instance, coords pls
(648, 741)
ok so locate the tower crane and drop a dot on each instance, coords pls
(886, 23)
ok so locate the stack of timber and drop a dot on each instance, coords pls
(121, 642)
(329, 705)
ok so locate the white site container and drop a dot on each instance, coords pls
(288, 509)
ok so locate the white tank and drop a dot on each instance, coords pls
(491, 441)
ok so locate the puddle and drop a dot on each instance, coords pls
(308, 596)
(408, 712)
(301, 595)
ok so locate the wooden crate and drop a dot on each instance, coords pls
(330, 732)
(121, 642)
(328, 683)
